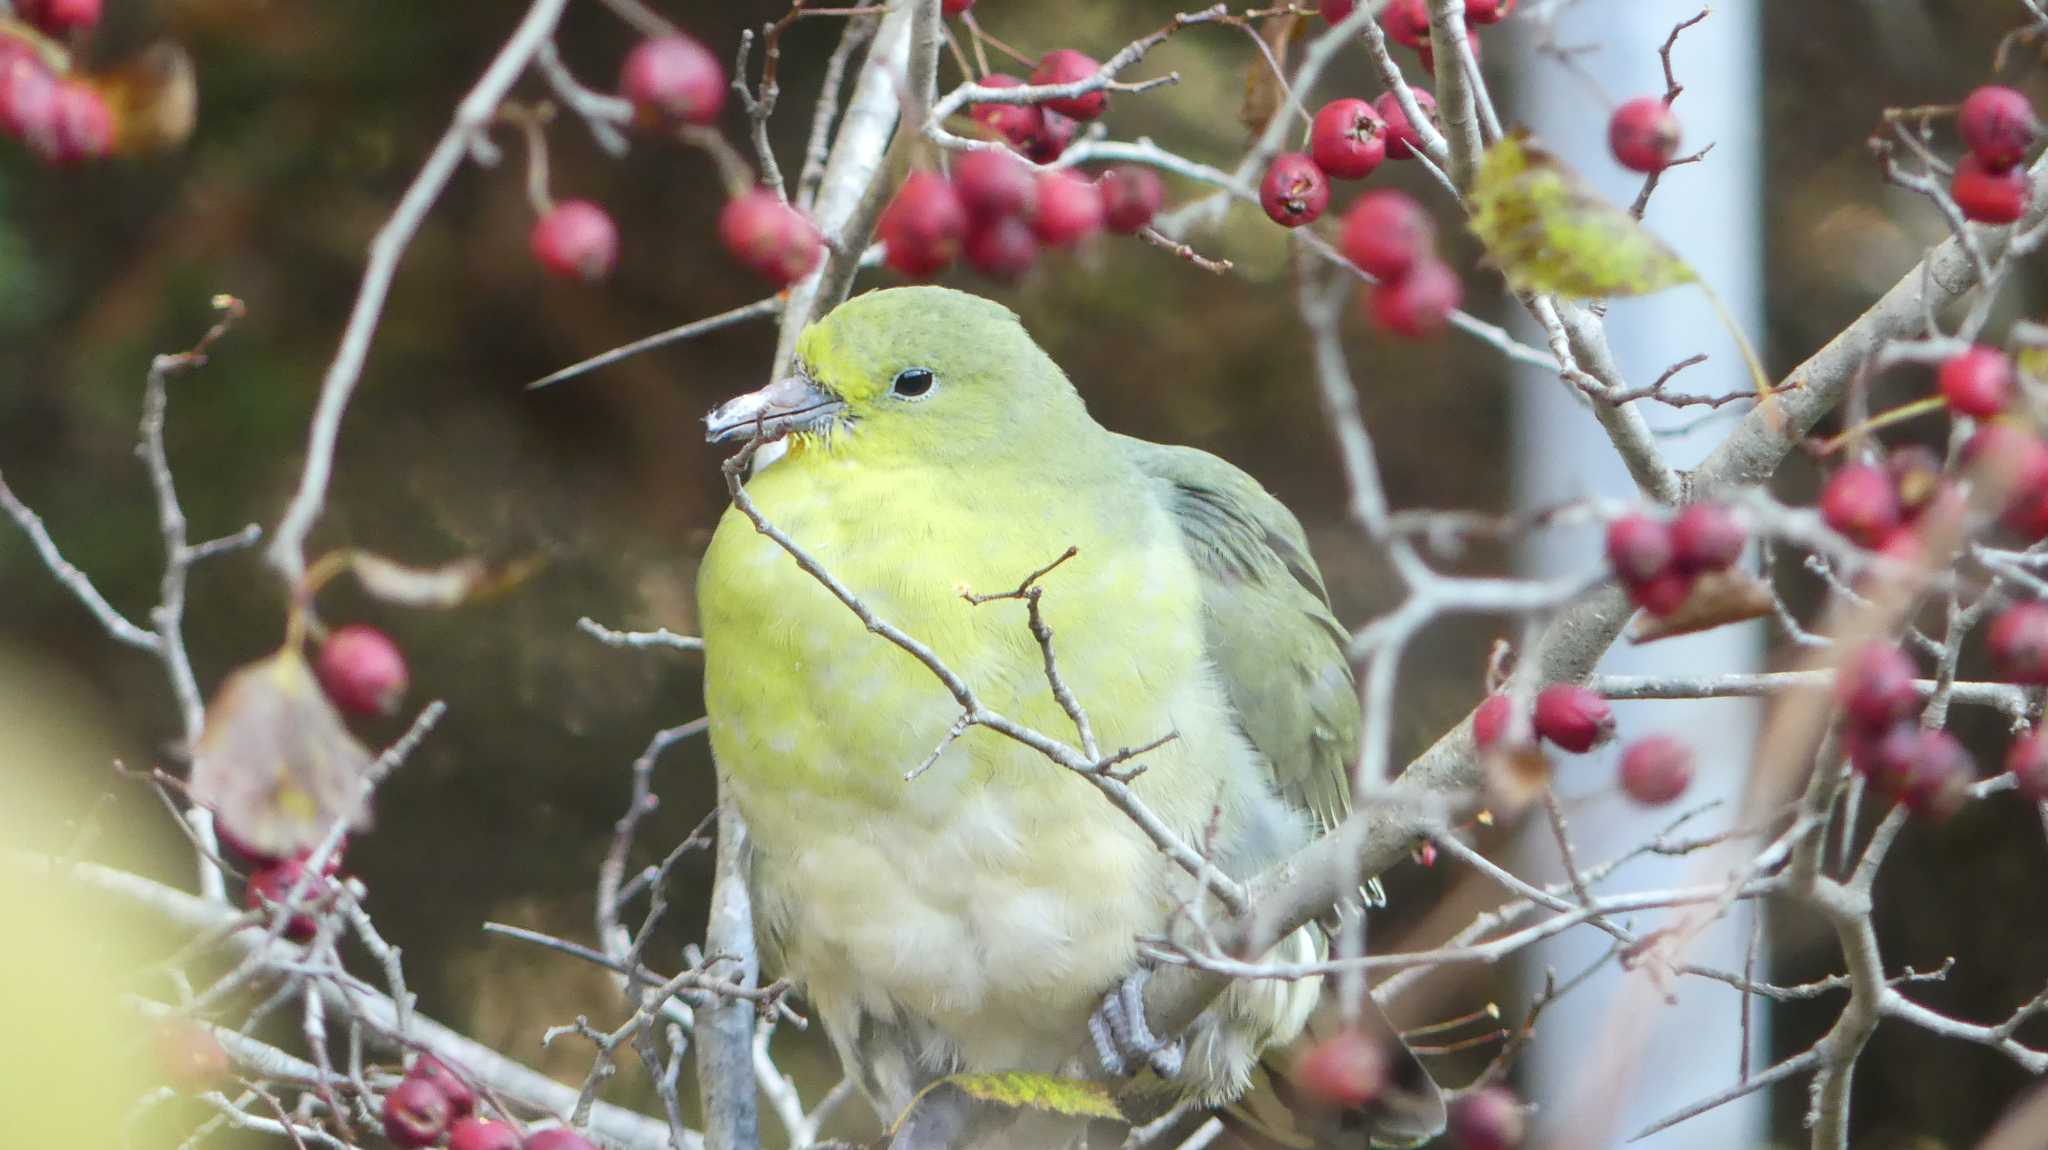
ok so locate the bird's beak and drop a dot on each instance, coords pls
(791, 404)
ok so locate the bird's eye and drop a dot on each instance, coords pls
(912, 383)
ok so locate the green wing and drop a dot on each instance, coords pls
(1270, 630)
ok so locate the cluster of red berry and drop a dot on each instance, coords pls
(1924, 768)
(59, 117)
(433, 1106)
(1655, 769)
(1998, 128)
(1658, 562)
(998, 214)
(1349, 1069)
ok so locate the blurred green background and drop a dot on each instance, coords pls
(312, 119)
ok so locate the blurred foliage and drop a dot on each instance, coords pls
(312, 118)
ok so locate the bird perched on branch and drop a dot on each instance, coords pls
(949, 898)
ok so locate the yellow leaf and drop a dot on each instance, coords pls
(1549, 233)
(1040, 1093)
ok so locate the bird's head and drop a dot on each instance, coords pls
(921, 371)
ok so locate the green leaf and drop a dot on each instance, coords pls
(1549, 233)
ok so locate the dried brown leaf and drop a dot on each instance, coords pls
(1717, 600)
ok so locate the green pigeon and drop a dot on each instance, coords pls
(979, 914)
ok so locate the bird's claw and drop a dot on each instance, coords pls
(1124, 1040)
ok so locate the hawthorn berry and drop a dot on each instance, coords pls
(1706, 537)
(954, 7)
(1002, 248)
(28, 100)
(1069, 209)
(1874, 686)
(558, 1140)
(923, 225)
(1348, 139)
(1403, 141)
(268, 887)
(673, 78)
(461, 1096)
(1639, 547)
(1977, 383)
(2015, 461)
(576, 240)
(82, 127)
(1488, 11)
(416, 1114)
(1987, 196)
(1859, 502)
(769, 237)
(1406, 22)
(1997, 126)
(1419, 304)
(2018, 640)
(1067, 66)
(1131, 196)
(1346, 1070)
(478, 1134)
(992, 184)
(362, 670)
(1426, 53)
(1932, 772)
(1576, 718)
(1335, 11)
(1386, 233)
(1656, 769)
(59, 17)
(2027, 759)
(1294, 191)
(1490, 721)
(1019, 124)
(1661, 594)
(1643, 134)
(1489, 1118)
(1055, 132)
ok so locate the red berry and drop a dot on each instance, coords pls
(1002, 248)
(1661, 594)
(1069, 209)
(477, 1134)
(269, 886)
(923, 225)
(1348, 139)
(2027, 759)
(1874, 686)
(416, 1114)
(1638, 546)
(1401, 135)
(1055, 132)
(1490, 721)
(461, 1097)
(1386, 233)
(2018, 640)
(1706, 537)
(1977, 383)
(1997, 125)
(1487, 1119)
(992, 184)
(558, 1140)
(1990, 197)
(1656, 769)
(59, 17)
(769, 237)
(1573, 717)
(576, 240)
(1488, 11)
(1017, 123)
(82, 128)
(1131, 196)
(1294, 191)
(1643, 134)
(1066, 66)
(1417, 305)
(362, 670)
(1426, 53)
(1345, 1070)
(1335, 11)
(1937, 774)
(674, 78)
(1859, 502)
(1406, 22)
(2016, 462)
(954, 7)
(28, 101)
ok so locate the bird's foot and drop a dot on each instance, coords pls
(1124, 1040)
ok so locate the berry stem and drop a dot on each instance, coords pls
(1896, 415)
(733, 169)
(532, 123)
